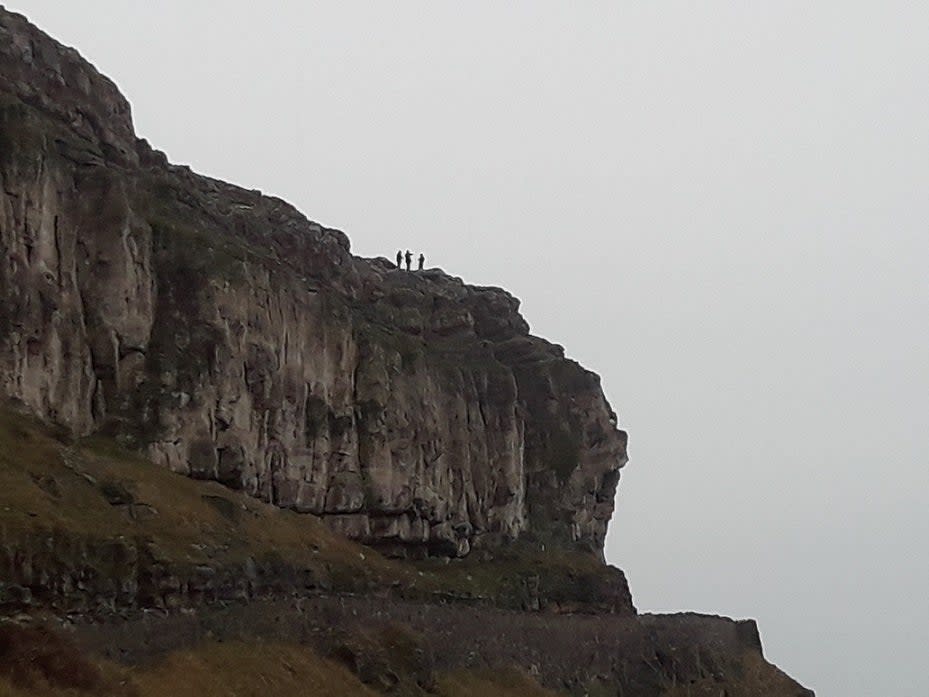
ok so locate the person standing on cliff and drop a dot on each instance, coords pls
(399, 259)
(422, 261)
(409, 259)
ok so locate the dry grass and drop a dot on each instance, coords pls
(248, 670)
(503, 683)
(560, 575)
(36, 658)
(86, 490)
(54, 668)
(213, 670)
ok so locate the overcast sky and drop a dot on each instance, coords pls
(721, 207)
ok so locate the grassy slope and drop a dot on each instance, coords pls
(42, 664)
(80, 489)
(53, 668)
(49, 483)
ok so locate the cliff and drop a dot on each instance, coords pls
(218, 425)
(150, 569)
(231, 339)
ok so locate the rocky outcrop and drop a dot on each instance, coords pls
(229, 338)
(646, 656)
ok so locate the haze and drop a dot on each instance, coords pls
(720, 207)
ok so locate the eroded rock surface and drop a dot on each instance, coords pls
(231, 339)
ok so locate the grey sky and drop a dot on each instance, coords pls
(721, 207)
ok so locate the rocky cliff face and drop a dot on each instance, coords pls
(227, 338)
(231, 339)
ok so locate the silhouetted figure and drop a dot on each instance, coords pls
(399, 259)
(422, 260)
(409, 259)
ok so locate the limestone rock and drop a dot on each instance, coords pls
(231, 339)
